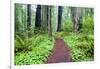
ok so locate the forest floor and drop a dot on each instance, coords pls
(61, 52)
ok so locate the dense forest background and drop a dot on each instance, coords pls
(36, 26)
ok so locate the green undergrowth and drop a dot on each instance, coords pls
(82, 43)
(33, 50)
(82, 46)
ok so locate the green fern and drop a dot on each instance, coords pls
(22, 44)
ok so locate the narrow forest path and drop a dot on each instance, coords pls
(61, 52)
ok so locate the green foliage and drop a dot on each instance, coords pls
(61, 34)
(88, 25)
(41, 30)
(81, 44)
(32, 46)
(82, 47)
(86, 44)
(41, 49)
(22, 44)
(68, 26)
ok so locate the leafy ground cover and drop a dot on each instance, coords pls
(82, 43)
(41, 47)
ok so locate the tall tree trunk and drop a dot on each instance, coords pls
(59, 18)
(76, 18)
(16, 18)
(38, 18)
(49, 21)
(23, 18)
(29, 20)
(28, 15)
(44, 17)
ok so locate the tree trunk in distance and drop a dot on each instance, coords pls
(59, 18)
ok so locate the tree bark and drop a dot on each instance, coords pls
(38, 17)
(44, 17)
(49, 21)
(76, 18)
(59, 18)
(28, 15)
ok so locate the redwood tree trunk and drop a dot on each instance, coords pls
(59, 18)
(49, 21)
(76, 18)
(38, 17)
(28, 15)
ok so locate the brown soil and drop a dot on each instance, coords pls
(61, 52)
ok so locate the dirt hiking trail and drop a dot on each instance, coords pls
(61, 52)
